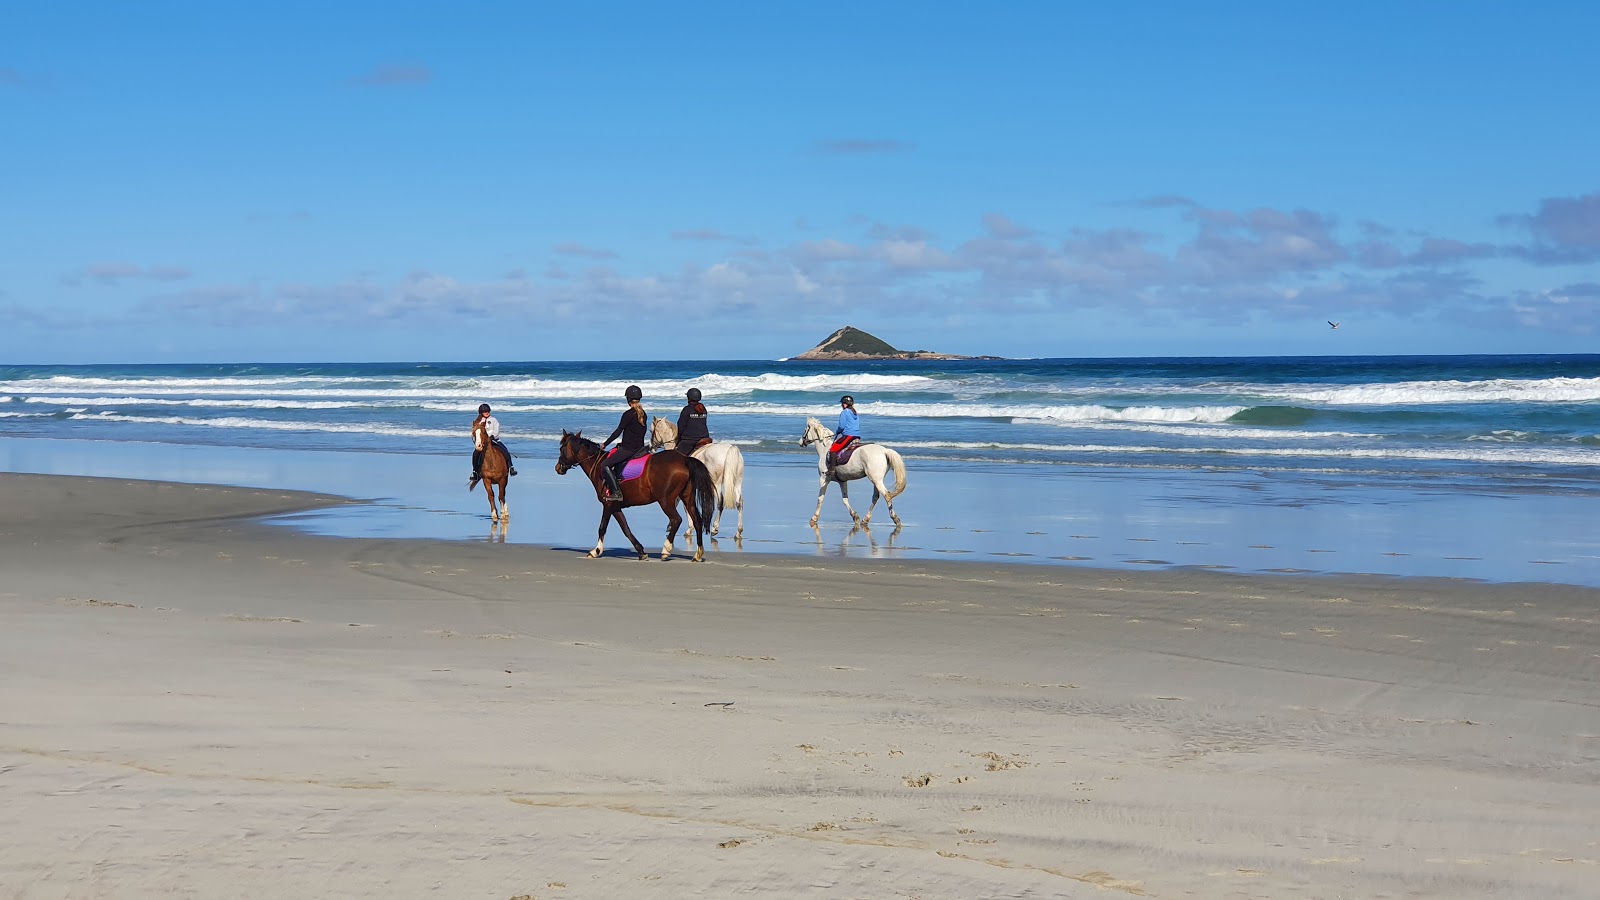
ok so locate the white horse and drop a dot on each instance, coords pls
(725, 463)
(869, 461)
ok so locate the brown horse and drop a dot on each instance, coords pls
(496, 470)
(668, 479)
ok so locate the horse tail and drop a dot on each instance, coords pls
(705, 496)
(899, 473)
(733, 478)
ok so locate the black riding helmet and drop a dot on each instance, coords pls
(483, 407)
(694, 395)
(633, 392)
(848, 400)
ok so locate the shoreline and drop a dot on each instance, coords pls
(1124, 520)
(291, 714)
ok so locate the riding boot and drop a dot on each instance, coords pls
(613, 488)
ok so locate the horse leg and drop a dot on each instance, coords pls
(844, 495)
(822, 493)
(878, 490)
(888, 499)
(669, 505)
(488, 491)
(505, 511)
(600, 541)
(623, 521)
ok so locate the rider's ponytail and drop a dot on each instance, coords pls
(640, 413)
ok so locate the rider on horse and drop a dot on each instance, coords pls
(692, 432)
(848, 432)
(632, 430)
(491, 428)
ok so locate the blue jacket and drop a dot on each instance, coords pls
(849, 422)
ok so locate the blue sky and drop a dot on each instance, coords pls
(187, 182)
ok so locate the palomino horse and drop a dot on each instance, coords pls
(869, 461)
(725, 463)
(668, 479)
(496, 470)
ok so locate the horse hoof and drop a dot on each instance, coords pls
(593, 554)
(813, 523)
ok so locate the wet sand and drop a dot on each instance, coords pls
(197, 704)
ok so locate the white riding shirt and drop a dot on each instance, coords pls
(491, 429)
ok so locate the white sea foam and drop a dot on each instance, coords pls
(1023, 413)
(433, 386)
(1478, 453)
(265, 403)
(1412, 393)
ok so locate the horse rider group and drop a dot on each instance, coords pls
(692, 434)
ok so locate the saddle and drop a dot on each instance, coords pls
(635, 466)
(842, 455)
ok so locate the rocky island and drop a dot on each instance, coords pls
(853, 343)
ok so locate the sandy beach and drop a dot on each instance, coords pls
(200, 705)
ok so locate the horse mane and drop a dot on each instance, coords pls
(584, 442)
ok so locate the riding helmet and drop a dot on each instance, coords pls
(694, 395)
(633, 392)
(483, 407)
(847, 399)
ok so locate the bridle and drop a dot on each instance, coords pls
(562, 466)
(807, 440)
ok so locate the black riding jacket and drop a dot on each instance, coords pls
(692, 426)
(632, 431)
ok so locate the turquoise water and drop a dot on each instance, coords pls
(1484, 466)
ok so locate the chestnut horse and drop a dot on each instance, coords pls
(495, 471)
(668, 479)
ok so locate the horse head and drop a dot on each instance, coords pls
(815, 431)
(573, 450)
(662, 433)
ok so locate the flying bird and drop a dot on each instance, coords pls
(1333, 324)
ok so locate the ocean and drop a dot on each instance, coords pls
(1508, 439)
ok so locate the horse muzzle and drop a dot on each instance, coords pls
(562, 467)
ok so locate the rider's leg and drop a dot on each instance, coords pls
(511, 467)
(614, 477)
(477, 464)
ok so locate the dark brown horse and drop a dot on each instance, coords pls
(668, 480)
(495, 472)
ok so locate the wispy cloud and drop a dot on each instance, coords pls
(572, 248)
(1209, 265)
(859, 146)
(711, 236)
(396, 75)
(1002, 227)
(117, 272)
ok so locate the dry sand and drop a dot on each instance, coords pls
(197, 705)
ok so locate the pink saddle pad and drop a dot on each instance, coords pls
(634, 467)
